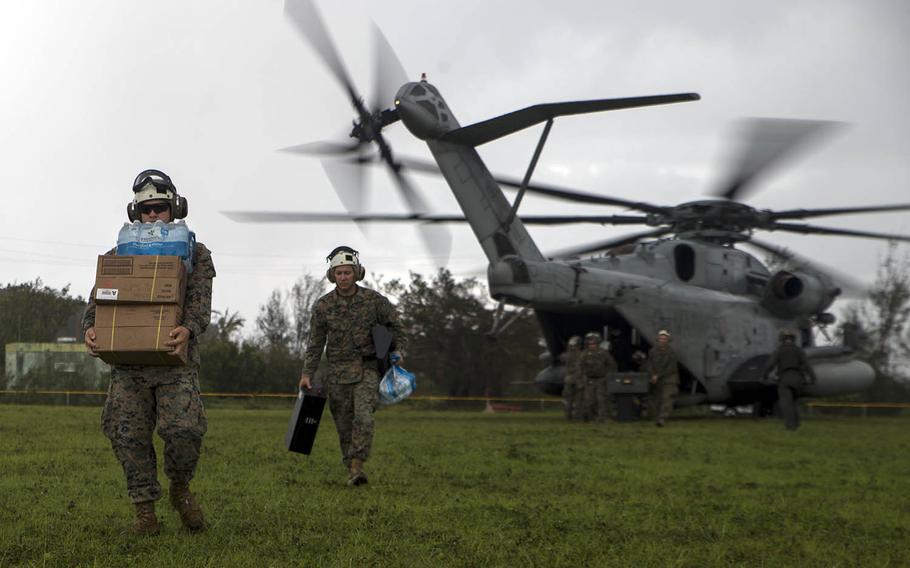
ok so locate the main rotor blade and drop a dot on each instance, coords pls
(816, 230)
(808, 213)
(303, 217)
(389, 74)
(764, 142)
(324, 148)
(349, 183)
(304, 15)
(426, 166)
(609, 243)
(850, 286)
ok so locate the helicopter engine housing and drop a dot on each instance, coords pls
(792, 293)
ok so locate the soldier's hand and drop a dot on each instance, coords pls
(179, 338)
(305, 382)
(653, 379)
(396, 358)
(90, 342)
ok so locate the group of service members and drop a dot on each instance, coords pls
(588, 366)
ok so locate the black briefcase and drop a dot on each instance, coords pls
(304, 423)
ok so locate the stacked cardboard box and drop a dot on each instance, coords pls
(139, 301)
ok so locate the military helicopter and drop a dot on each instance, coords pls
(685, 273)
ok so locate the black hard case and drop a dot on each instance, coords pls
(304, 423)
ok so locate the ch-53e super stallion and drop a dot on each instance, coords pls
(724, 306)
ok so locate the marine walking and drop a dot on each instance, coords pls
(663, 368)
(793, 373)
(341, 324)
(144, 398)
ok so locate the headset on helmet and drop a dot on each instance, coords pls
(344, 256)
(155, 184)
(593, 336)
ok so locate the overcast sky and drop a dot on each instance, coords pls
(93, 92)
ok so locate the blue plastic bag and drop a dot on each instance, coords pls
(396, 385)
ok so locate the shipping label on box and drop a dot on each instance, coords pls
(148, 279)
(168, 316)
(110, 289)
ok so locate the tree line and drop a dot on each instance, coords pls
(448, 322)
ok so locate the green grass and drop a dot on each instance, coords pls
(467, 489)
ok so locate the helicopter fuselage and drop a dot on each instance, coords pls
(723, 306)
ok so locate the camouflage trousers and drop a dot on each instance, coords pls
(352, 407)
(662, 396)
(596, 403)
(141, 400)
(570, 399)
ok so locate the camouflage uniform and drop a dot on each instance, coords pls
(596, 364)
(343, 326)
(662, 363)
(793, 370)
(573, 385)
(141, 398)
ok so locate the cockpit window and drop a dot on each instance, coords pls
(418, 91)
(429, 106)
(684, 261)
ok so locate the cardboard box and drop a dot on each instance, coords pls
(137, 345)
(140, 279)
(168, 316)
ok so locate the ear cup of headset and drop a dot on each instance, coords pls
(132, 212)
(361, 272)
(330, 274)
(179, 207)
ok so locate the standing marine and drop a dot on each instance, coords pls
(341, 324)
(793, 371)
(142, 398)
(662, 366)
(596, 364)
(572, 385)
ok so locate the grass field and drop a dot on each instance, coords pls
(457, 488)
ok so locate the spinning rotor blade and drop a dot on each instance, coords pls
(302, 217)
(807, 213)
(764, 142)
(389, 74)
(426, 166)
(850, 286)
(816, 230)
(324, 148)
(609, 243)
(348, 182)
(305, 17)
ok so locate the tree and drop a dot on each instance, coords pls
(303, 295)
(447, 323)
(879, 328)
(33, 312)
(273, 322)
(224, 327)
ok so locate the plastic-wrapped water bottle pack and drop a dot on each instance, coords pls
(158, 238)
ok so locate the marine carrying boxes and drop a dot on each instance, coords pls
(139, 301)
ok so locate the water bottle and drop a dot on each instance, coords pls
(158, 238)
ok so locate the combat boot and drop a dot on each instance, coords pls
(185, 503)
(145, 523)
(357, 475)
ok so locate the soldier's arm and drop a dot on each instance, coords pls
(88, 319)
(807, 368)
(315, 341)
(197, 305)
(770, 364)
(389, 318)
